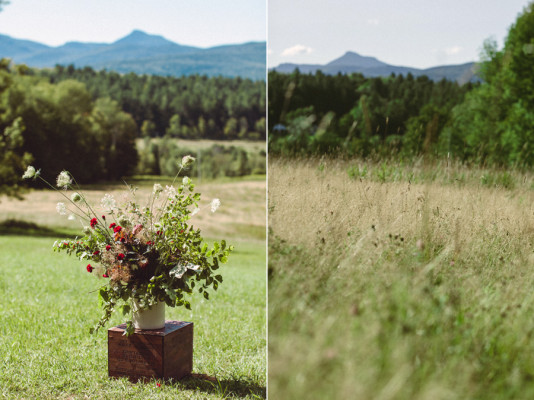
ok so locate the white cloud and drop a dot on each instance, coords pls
(373, 21)
(450, 51)
(296, 50)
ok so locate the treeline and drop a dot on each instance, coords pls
(487, 123)
(356, 115)
(191, 107)
(60, 126)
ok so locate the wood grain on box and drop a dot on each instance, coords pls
(157, 353)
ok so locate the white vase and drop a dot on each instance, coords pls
(152, 318)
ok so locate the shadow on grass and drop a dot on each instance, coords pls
(24, 228)
(225, 388)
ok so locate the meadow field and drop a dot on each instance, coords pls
(49, 302)
(400, 281)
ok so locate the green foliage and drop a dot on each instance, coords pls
(158, 158)
(359, 116)
(60, 127)
(495, 123)
(193, 107)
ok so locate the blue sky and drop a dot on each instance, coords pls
(414, 33)
(202, 23)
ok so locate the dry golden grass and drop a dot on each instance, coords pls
(382, 288)
(242, 213)
(325, 208)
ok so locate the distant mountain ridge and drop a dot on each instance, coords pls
(143, 53)
(352, 62)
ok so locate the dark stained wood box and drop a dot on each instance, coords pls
(156, 353)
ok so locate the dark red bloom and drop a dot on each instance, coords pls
(108, 247)
(120, 256)
(149, 243)
(104, 217)
(89, 268)
(97, 252)
(118, 228)
(158, 384)
(105, 276)
(111, 226)
(93, 223)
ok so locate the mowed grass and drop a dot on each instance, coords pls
(48, 303)
(399, 288)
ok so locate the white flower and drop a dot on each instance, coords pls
(187, 161)
(30, 173)
(215, 204)
(186, 181)
(171, 191)
(63, 180)
(61, 208)
(72, 217)
(76, 197)
(108, 203)
(157, 188)
(195, 211)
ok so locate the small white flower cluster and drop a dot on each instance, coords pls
(63, 180)
(187, 161)
(31, 173)
(108, 203)
(215, 204)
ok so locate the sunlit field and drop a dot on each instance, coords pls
(396, 281)
(49, 302)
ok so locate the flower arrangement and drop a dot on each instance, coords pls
(147, 254)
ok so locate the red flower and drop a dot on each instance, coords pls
(149, 243)
(111, 226)
(118, 228)
(120, 256)
(105, 276)
(97, 252)
(93, 223)
(108, 247)
(104, 217)
(158, 384)
(89, 268)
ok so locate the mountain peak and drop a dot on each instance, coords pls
(353, 59)
(138, 37)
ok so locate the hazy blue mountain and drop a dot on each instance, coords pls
(11, 48)
(352, 62)
(144, 54)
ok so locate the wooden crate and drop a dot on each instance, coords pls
(156, 353)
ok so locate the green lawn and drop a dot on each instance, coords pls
(48, 304)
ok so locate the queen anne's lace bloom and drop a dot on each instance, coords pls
(215, 204)
(157, 189)
(30, 173)
(108, 203)
(187, 161)
(63, 180)
(170, 190)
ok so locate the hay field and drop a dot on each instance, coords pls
(411, 284)
(242, 213)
